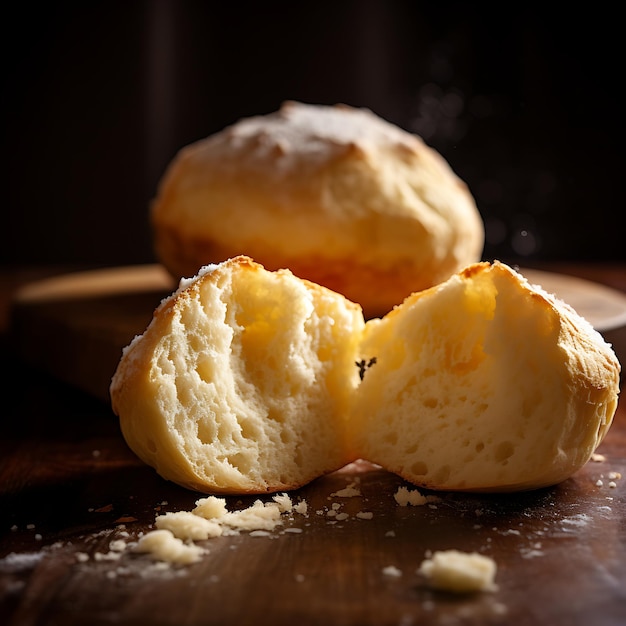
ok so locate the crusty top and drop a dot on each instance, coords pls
(303, 134)
(318, 182)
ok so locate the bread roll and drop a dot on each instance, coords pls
(484, 383)
(242, 381)
(334, 193)
(249, 381)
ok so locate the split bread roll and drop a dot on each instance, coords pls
(485, 383)
(251, 381)
(336, 194)
(242, 382)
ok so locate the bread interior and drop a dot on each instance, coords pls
(251, 378)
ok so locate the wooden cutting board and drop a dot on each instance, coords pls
(76, 325)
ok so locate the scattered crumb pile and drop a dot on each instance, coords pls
(460, 572)
(335, 514)
(175, 534)
(173, 542)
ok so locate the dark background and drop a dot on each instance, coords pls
(524, 102)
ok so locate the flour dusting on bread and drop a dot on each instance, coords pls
(335, 193)
(252, 381)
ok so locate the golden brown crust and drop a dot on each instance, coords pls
(485, 383)
(333, 193)
(481, 383)
(240, 382)
(373, 287)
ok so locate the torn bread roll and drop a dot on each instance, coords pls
(334, 193)
(242, 382)
(484, 383)
(250, 381)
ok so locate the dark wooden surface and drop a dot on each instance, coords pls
(68, 484)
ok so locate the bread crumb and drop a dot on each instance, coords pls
(284, 503)
(210, 508)
(188, 526)
(612, 484)
(614, 476)
(598, 458)
(365, 515)
(107, 556)
(390, 533)
(259, 516)
(414, 497)
(392, 571)
(164, 546)
(117, 545)
(172, 542)
(301, 508)
(599, 483)
(459, 572)
(351, 491)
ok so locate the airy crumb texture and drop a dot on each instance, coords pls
(484, 382)
(242, 381)
(460, 572)
(251, 381)
(335, 193)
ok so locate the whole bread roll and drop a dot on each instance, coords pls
(334, 193)
(485, 383)
(242, 381)
(248, 380)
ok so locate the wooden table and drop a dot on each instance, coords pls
(70, 486)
